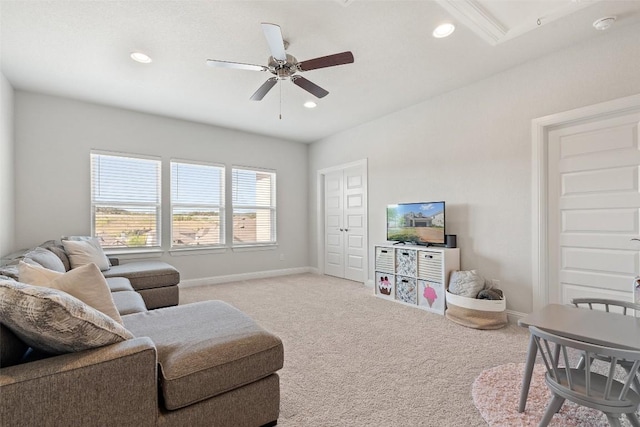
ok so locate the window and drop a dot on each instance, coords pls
(254, 206)
(125, 200)
(197, 204)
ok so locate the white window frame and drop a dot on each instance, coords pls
(272, 207)
(157, 206)
(220, 207)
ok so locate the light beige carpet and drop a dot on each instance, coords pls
(352, 359)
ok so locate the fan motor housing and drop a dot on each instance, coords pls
(283, 70)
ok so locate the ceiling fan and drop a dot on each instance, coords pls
(284, 66)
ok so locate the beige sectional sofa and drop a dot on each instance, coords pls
(201, 364)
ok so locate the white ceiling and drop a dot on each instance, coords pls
(80, 49)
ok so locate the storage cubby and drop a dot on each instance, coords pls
(415, 275)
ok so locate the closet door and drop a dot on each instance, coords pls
(333, 224)
(345, 223)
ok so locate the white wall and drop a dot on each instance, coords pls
(55, 135)
(472, 148)
(7, 195)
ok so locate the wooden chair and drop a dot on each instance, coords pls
(594, 303)
(607, 304)
(583, 386)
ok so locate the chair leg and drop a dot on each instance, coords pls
(635, 383)
(553, 407)
(633, 419)
(613, 420)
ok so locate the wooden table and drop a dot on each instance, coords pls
(581, 324)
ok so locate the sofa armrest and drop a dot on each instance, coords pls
(113, 385)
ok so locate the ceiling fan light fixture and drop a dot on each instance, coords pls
(141, 57)
(444, 30)
(604, 23)
(310, 104)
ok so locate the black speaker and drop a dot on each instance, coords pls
(450, 241)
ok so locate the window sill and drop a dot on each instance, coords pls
(197, 251)
(135, 253)
(256, 247)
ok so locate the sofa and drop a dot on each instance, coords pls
(200, 364)
(155, 281)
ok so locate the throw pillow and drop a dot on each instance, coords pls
(85, 283)
(466, 283)
(88, 251)
(46, 258)
(53, 321)
(56, 247)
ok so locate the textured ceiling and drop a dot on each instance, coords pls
(80, 49)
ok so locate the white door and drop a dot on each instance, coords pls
(345, 223)
(594, 206)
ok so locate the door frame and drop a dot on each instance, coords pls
(540, 128)
(320, 212)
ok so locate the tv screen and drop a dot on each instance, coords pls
(420, 223)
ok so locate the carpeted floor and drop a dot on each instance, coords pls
(352, 359)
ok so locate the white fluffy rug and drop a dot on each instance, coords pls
(496, 393)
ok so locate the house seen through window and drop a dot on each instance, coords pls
(125, 200)
(197, 204)
(254, 206)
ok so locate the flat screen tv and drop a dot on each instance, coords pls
(418, 223)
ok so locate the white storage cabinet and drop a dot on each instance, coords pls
(415, 275)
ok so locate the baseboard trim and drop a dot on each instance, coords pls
(514, 316)
(214, 280)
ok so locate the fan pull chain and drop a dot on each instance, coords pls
(280, 99)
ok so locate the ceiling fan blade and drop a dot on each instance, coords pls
(235, 65)
(262, 90)
(273, 34)
(326, 61)
(310, 87)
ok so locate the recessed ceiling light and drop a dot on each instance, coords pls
(604, 23)
(310, 104)
(444, 30)
(140, 57)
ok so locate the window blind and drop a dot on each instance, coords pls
(254, 206)
(197, 204)
(125, 200)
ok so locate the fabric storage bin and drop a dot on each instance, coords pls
(476, 313)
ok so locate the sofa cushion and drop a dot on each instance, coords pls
(119, 284)
(85, 283)
(83, 251)
(160, 297)
(55, 322)
(205, 349)
(146, 274)
(128, 302)
(46, 258)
